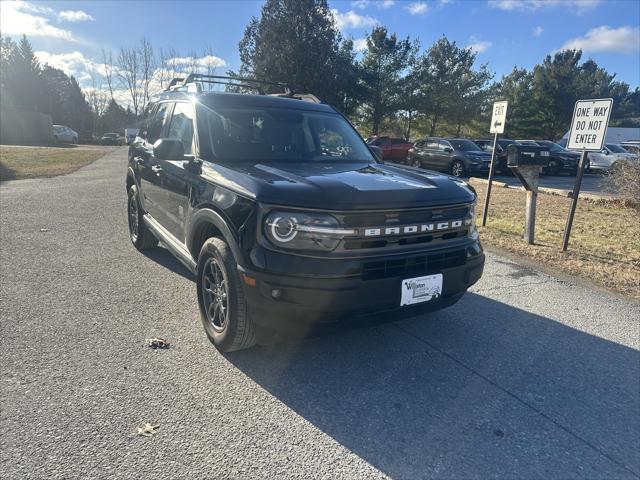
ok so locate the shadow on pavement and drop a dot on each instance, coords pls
(479, 390)
(165, 258)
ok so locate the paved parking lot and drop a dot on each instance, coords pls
(526, 377)
(591, 183)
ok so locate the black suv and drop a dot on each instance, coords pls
(286, 218)
(458, 156)
(486, 144)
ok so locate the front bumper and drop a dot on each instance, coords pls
(298, 304)
(478, 167)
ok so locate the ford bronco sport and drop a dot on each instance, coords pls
(288, 220)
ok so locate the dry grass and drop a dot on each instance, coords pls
(30, 162)
(605, 241)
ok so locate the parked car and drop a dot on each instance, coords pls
(62, 134)
(287, 220)
(130, 134)
(486, 144)
(458, 156)
(631, 147)
(604, 160)
(111, 139)
(393, 148)
(561, 160)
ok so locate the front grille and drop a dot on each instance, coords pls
(384, 223)
(413, 266)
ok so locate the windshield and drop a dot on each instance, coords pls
(465, 146)
(616, 148)
(258, 134)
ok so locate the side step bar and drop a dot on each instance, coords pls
(172, 243)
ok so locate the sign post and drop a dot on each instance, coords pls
(587, 133)
(498, 119)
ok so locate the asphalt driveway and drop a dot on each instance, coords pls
(526, 377)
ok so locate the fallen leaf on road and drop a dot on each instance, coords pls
(157, 343)
(147, 430)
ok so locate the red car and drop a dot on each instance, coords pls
(394, 149)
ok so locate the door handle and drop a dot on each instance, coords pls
(156, 169)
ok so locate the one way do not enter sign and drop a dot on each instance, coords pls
(499, 117)
(589, 124)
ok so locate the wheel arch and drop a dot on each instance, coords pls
(207, 223)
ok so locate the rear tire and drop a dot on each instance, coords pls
(140, 235)
(223, 307)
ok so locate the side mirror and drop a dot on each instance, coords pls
(448, 149)
(168, 149)
(377, 152)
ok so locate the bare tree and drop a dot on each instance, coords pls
(148, 65)
(129, 65)
(97, 100)
(167, 66)
(107, 62)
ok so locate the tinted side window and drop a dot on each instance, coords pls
(444, 145)
(419, 144)
(181, 125)
(158, 121)
(397, 141)
(384, 141)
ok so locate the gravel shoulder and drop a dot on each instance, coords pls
(528, 376)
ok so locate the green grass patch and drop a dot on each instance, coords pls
(17, 163)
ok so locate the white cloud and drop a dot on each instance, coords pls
(606, 39)
(537, 31)
(20, 18)
(352, 19)
(379, 4)
(72, 63)
(208, 61)
(75, 16)
(417, 8)
(479, 46)
(360, 44)
(579, 6)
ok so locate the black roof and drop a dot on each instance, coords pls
(218, 99)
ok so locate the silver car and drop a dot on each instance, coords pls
(606, 158)
(62, 134)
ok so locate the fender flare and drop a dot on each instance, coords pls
(210, 216)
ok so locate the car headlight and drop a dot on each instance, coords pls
(304, 231)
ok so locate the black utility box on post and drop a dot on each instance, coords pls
(526, 162)
(521, 155)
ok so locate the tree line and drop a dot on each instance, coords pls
(392, 88)
(389, 86)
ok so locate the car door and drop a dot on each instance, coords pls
(174, 179)
(149, 168)
(445, 155)
(428, 153)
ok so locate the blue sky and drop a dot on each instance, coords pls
(505, 33)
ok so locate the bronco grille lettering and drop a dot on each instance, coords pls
(405, 229)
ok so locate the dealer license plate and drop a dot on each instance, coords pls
(421, 289)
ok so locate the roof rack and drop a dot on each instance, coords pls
(193, 83)
(198, 79)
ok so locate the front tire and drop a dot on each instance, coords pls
(458, 169)
(140, 235)
(416, 163)
(223, 307)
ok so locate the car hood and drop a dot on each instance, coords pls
(339, 185)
